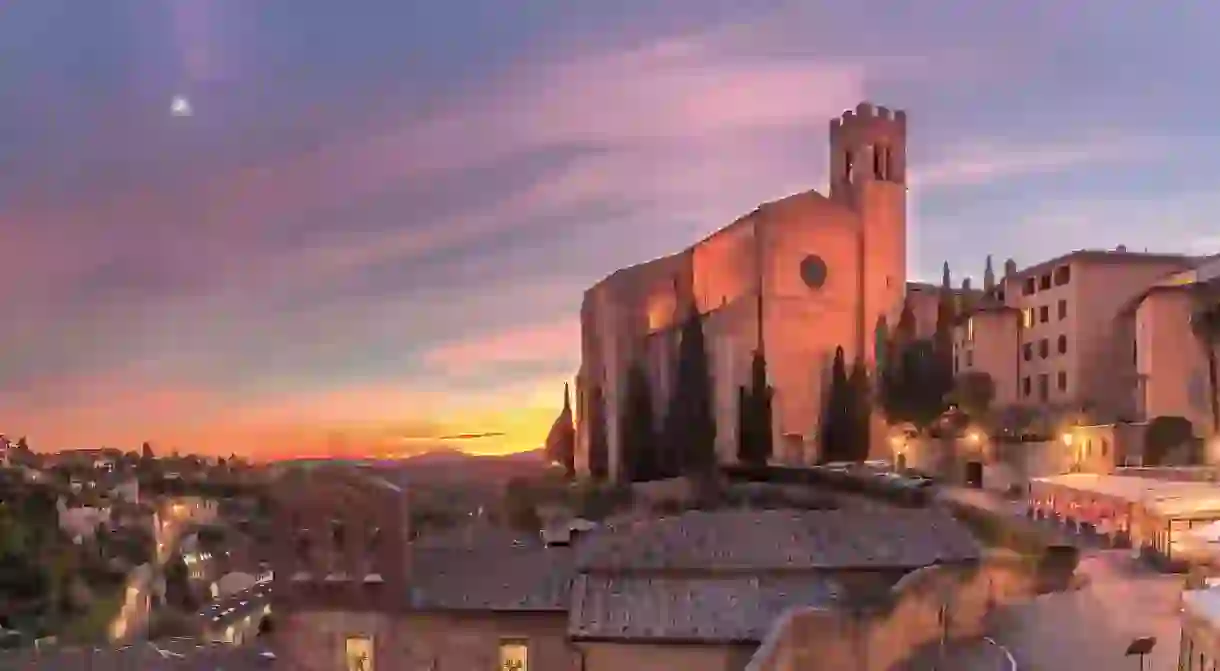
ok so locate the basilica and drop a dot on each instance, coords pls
(796, 278)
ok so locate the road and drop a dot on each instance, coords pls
(168, 528)
(1091, 627)
(1120, 599)
(977, 655)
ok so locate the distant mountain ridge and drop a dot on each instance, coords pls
(450, 465)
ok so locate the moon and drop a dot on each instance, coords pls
(180, 106)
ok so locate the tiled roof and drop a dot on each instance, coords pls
(709, 609)
(491, 576)
(781, 539)
(173, 655)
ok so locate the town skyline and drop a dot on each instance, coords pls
(380, 245)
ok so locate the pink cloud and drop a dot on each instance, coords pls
(977, 162)
(531, 344)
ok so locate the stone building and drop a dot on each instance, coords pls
(1094, 337)
(699, 590)
(796, 278)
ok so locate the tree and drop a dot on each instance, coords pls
(23, 445)
(1164, 435)
(860, 412)
(637, 429)
(146, 452)
(755, 433)
(599, 445)
(690, 426)
(561, 441)
(1206, 326)
(835, 425)
(973, 392)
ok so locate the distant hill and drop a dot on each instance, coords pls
(448, 465)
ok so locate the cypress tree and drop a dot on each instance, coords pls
(744, 431)
(599, 447)
(861, 410)
(690, 426)
(561, 440)
(758, 418)
(637, 430)
(835, 431)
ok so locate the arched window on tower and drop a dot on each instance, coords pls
(848, 166)
(880, 167)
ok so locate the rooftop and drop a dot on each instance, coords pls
(707, 609)
(1120, 255)
(499, 575)
(781, 539)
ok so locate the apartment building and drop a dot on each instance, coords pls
(1171, 356)
(1050, 335)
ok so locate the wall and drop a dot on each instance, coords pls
(1098, 449)
(989, 342)
(666, 657)
(1170, 360)
(1106, 287)
(315, 641)
(838, 640)
(803, 325)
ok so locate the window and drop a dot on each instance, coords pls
(1044, 314)
(1044, 348)
(1044, 387)
(1062, 344)
(514, 655)
(359, 653)
(1000, 295)
(1044, 282)
(1027, 351)
(1105, 444)
(1063, 275)
(969, 358)
(1063, 309)
(1025, 389)
(1027, 317)
(1031, 286)
(956, 366)
(338, 534)
(1061, 380)
(970, 329)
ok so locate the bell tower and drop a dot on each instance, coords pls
(868, 174)
(867, 144)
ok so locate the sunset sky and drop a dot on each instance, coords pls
(373, 233)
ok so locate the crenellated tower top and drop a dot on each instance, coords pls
(867, 144)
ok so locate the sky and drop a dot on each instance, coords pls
(373, 232)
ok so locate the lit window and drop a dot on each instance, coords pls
(514, 655)
(359, 653)
(970, 329)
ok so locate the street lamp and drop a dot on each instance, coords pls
(1140, 647)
